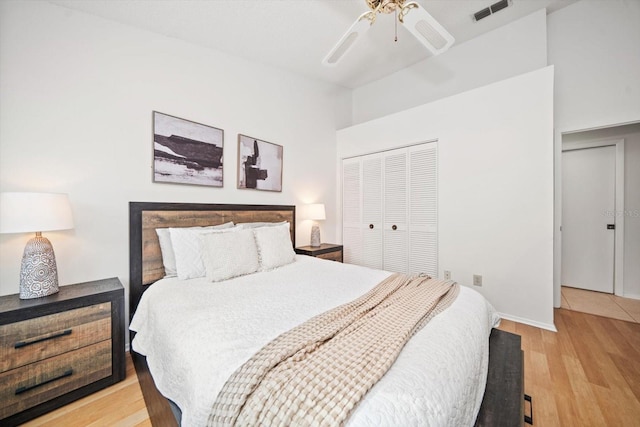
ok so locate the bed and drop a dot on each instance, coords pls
(444, 376)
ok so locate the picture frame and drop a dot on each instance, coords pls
(260, 164)
(186, 152)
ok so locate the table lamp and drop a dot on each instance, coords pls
(36, 212)
(315, 212)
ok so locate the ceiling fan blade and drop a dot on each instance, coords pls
(425, 28)
(357, 29)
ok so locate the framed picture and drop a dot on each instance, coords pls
(186, 152)
(259, 164)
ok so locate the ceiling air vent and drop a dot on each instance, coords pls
(499, 6)
(481, 14)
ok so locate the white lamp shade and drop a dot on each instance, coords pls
(316, 212)
(33, 212)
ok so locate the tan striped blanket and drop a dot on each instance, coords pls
(316, 373)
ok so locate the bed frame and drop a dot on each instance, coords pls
(503, 402)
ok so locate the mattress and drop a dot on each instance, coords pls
(195, 334)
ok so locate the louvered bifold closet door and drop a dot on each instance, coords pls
(395, 211)
(423, 209)
(372, 186)
(351, 211)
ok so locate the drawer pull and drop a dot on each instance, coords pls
(50, 337)
(66, 373)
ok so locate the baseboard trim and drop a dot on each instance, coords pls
(548, 326)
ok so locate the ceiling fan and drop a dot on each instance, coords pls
(419, 23)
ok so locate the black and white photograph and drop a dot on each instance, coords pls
(186, 152)
(259, 164)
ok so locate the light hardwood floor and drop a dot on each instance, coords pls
(586, 374)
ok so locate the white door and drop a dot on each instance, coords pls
(395, 212)
(389, 202)
(588, 210)
(352, 211)
(423, 209)
(372, 183)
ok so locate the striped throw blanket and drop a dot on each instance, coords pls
(316, 373)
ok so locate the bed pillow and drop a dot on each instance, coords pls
(260, 224)
(166, 247)
(274, 246)
(228, 255)
(187, 249)
(168, 258)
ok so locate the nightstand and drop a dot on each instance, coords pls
(324, 251)
(59, 348)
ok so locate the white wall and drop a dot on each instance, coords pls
(508, 51)
(631, 213)
(76, 96)
(594, 46)
(495, 200)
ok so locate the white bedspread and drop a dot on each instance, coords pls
(195, 334)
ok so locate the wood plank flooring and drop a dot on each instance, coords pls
(586, 374)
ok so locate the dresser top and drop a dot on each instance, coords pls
(69, 293)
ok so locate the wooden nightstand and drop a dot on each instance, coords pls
(59, 348)
(324, 251)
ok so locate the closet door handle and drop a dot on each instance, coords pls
(394, 227)
(371, 226)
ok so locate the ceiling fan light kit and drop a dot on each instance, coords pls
(413, 16)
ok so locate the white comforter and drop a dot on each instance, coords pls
(195, 334)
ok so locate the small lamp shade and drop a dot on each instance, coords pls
(36, 212)
(33, 212)
(315, 212)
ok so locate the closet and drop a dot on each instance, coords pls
(390, 210)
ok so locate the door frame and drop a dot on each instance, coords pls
(618, 251)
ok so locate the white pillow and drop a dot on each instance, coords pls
(168, 258)
(274, 246)
(187, 249)
(260, 224)
(228, 255)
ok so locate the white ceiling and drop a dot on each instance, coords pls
(296, 34)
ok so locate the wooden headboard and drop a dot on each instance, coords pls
(145, 259)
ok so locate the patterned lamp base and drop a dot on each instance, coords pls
(38, 274)
(315, 236)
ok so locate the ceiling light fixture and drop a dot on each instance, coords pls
(413, 16)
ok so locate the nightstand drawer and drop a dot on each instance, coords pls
(30, 385)
(35, 339)
(333, 256)
(325, 251)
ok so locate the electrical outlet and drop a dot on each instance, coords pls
(477, 280)
(447, 275)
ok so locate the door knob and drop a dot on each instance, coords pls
(371, 226)
(394, 227)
